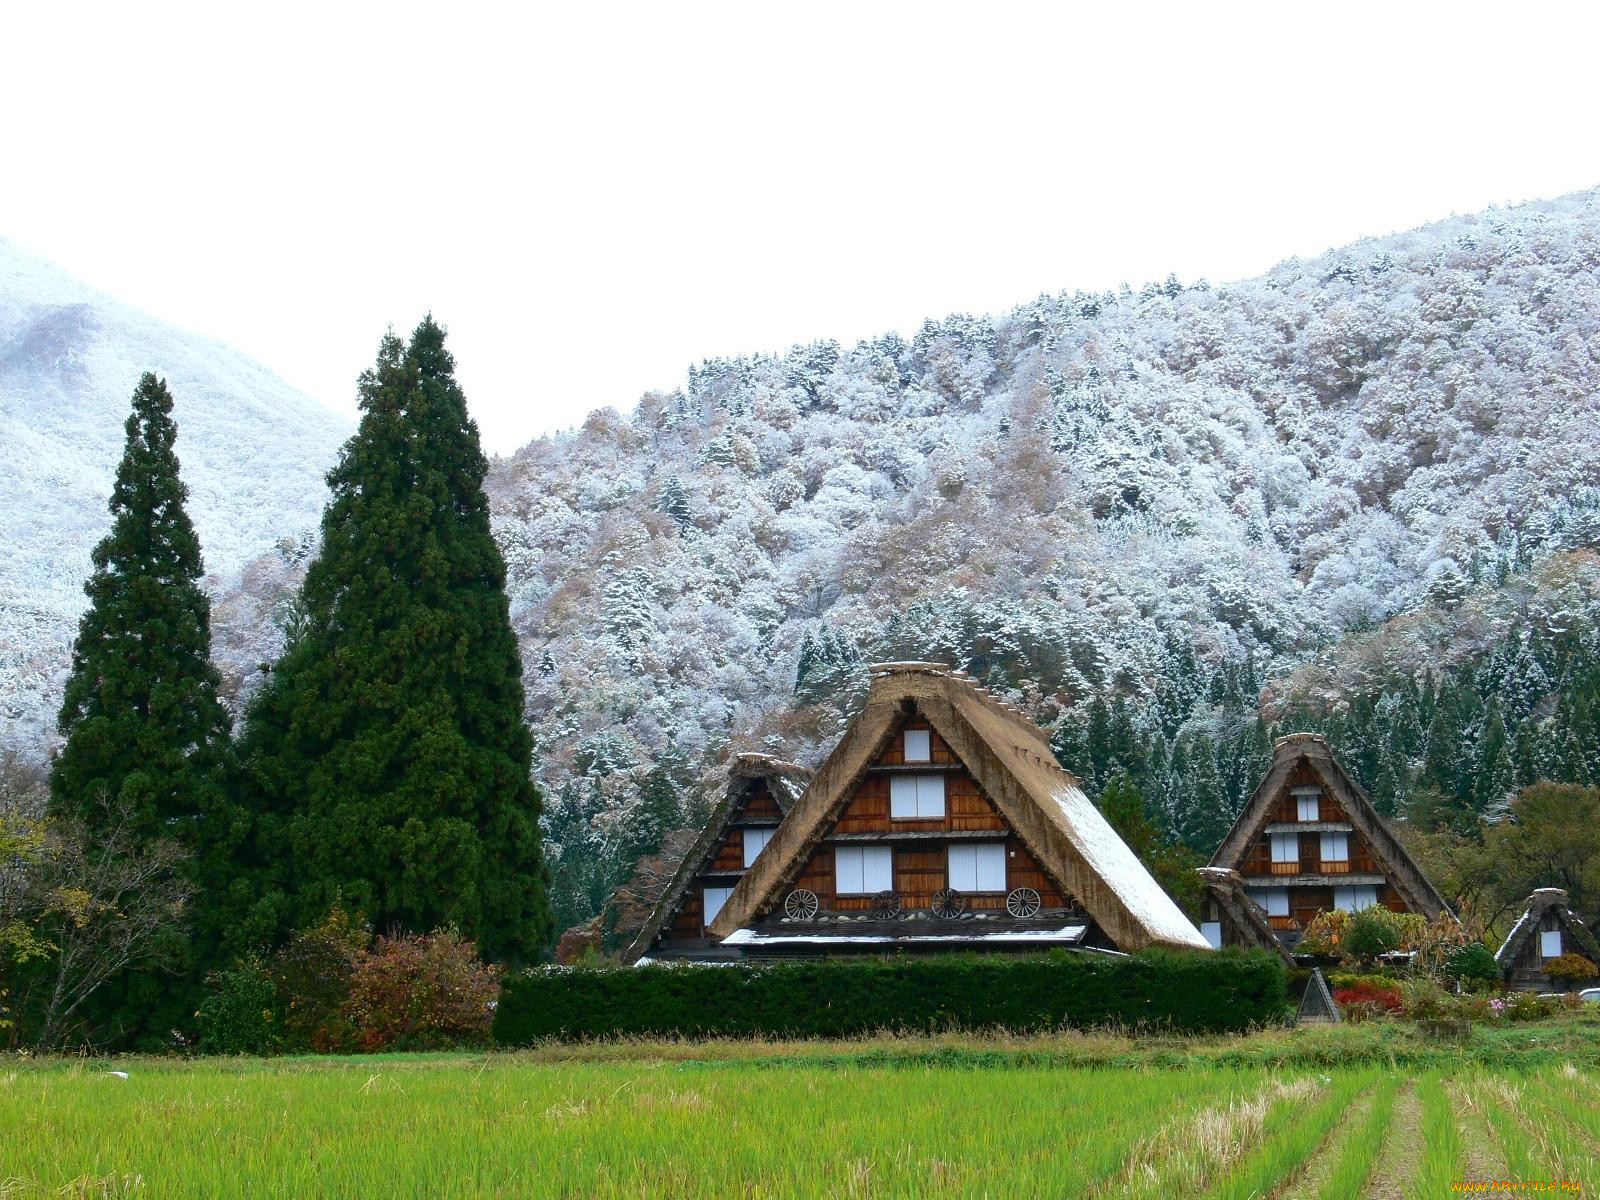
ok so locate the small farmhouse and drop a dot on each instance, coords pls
(1310, 841)
(942, 821)
(760, 790)
(1547, 929)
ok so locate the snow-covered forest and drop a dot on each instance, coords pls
(1359, 492)
(1089, 497)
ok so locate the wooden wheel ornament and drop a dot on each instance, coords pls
(886, 905)
(1022, 902)
(801, 905)
(948, 903)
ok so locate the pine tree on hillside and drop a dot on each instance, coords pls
(387, 755)
(141, 717)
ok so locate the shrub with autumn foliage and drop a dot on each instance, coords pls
(1366, 998)
(1325, 934)
(422, 992)
(312, 972)
(1570, 967)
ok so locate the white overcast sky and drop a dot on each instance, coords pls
(591, 196)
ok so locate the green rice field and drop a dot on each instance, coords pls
(948, 1118)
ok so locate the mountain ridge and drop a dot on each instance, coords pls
(253, 449)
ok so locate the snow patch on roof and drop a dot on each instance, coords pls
(750, 937)
(1111, 859)
(1515, 929)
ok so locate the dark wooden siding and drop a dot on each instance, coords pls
(686, 921)
(921, 867)
(730, 855)
(759, 804)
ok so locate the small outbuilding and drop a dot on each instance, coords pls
(1547, 929)
(1228, 917)
(760, 791)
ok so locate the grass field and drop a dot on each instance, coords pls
(1070, 1115)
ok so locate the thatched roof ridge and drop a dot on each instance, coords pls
(1287, 753)
(1011, 759)
(785, 780)
(1543, 901)
(1225, 886)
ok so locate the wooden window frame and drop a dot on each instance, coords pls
(859, 854)
(919, 784)
(972, 850)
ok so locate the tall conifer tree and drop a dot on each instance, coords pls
(141, 717)
(146, 734)
(388, 752)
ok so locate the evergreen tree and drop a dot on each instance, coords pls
(1494, 778)
(142, 721)
(146, 735)
(387, 755)
(674, 502)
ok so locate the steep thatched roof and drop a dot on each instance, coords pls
(1290, 752)
(1543, 902)
(1226, 888)
(785, 781)
(1011, 760)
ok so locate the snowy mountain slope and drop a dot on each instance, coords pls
(1052, 498)
(253, 451)
(1072, 500)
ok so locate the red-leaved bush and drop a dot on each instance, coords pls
(422, 992)
(1364, 998)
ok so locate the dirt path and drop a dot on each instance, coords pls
(1313, 1172)
(1402, 1149)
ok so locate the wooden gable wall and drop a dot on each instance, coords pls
(920, 854)
(726, 861)
(1306, 901)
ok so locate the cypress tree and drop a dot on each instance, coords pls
(146, 734)
(141, 717)
(387, 754)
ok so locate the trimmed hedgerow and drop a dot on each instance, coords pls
(1171, 990)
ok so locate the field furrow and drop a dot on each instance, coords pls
(1396, 1160)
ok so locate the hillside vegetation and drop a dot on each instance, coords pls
(1136, 509)
(1360, 493)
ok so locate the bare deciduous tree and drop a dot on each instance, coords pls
(104, 905)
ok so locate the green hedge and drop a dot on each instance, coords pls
(1174, 990)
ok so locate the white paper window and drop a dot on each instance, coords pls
(755, 841)
(1285, 847)
(916, 797)
(1277, 904)
(1335, 847)
(715, 898)
(1549, 943)
(863, 870)
(1354, 899)
(1309, 806)
(919, 746)
(978, 868)
(1258, 896)
(1212, 932)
